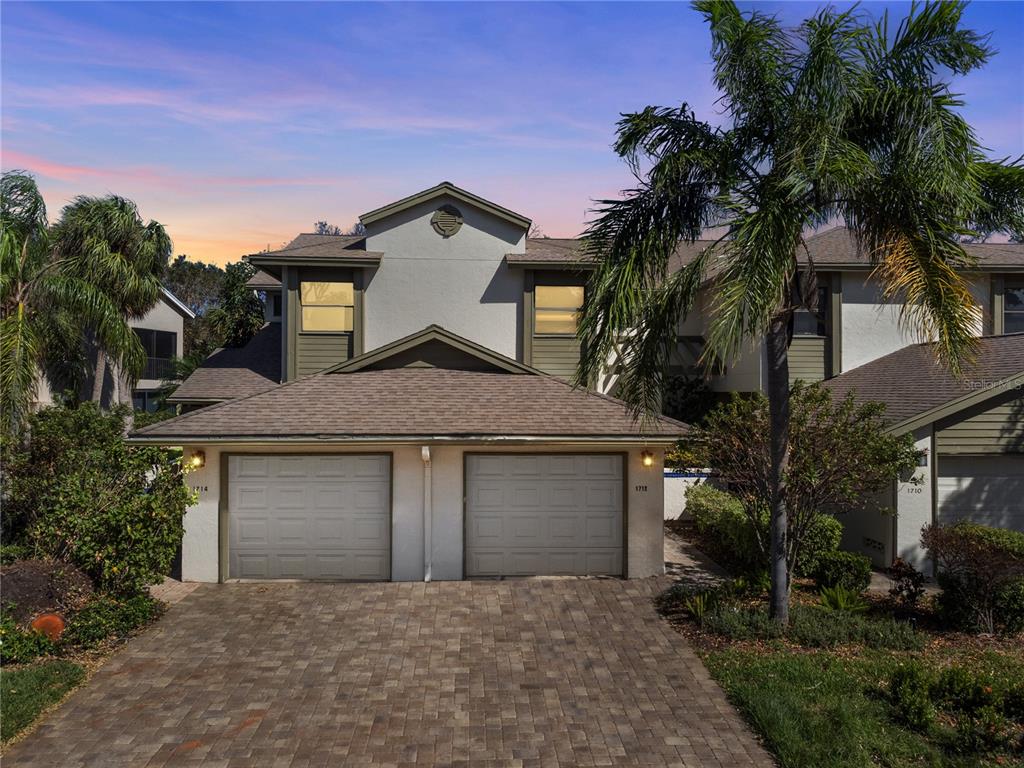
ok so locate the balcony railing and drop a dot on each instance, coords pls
(157, 368)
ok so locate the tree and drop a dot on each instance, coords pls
(839, 454)
(198, 285)
(38, 291)
(841, 119)
(104, 241)
(323, 228)
(239, 312)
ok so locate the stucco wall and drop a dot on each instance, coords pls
(871, 326)
(645, 500)
(460, 283)
(914, 505)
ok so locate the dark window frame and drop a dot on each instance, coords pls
(1014, 313)
(158, 366)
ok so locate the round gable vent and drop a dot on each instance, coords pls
(447, 220)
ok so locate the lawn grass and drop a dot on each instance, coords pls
(821, 709)
(26, 691)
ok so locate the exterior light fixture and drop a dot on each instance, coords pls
(197, 460)
(647, 457)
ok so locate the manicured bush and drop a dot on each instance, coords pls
(822, 537)
(906, 583)
(108, 617)
(728, 531)
(18, 645)
(78, 493)
(849, 570)
(909, 691)
(981, 572)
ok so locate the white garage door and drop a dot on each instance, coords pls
(530, 514)
(986, 489)
(309, 517)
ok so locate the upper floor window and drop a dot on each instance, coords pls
(275, 305)
(557, 309)
(160, 347)
(808, 323)
(1013, 308)
(327, 307)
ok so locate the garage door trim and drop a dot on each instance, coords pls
(624, 455)
(223, 530)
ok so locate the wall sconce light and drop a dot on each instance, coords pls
(197, 460)
(647, 457)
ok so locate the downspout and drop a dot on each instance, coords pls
(428, 512)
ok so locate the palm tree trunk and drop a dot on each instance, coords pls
(99, 376)
(778, 409)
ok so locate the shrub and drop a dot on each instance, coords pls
(9, 553)
(1013, 703)
(839, 598)
(742, 623)
(909, 688)
(958, 689)
(979, 732)
(108, 617)
(848, 570)
(981, 575)
(906, 583)
(822, 537)
(18, 645)
(720, 518)
(79, 494)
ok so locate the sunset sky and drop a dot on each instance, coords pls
(239, 125)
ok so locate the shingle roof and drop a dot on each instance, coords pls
(232, 372)
(838, 246)
(263, 280)
(911, 382)
(415, 403)
(309, 245)
(834, 246)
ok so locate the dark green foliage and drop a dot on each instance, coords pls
(107, 617)
(907, 583)
(688, 399)
(18, 645)
(849, 570)
(11, 552)
(840, 598)
(981, 572)
(812, 627)
(909, 690)
(239, 312)
(839, 453)
(26, 692)
(80, 494)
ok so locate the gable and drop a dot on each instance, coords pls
(433, 347)
(447, 195)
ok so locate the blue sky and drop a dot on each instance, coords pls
(238, 125)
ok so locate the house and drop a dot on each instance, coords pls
(420, 369)
(162, 332)
(401, 416)
(970, 434)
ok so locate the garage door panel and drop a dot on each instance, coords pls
(985, 489)
(333, 525)
(543, 514)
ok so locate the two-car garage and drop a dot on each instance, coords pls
(329, 516)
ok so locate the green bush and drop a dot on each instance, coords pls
(909, 691)
(958, 689)
(18, 645)
(812, 628)
(822, 537)
(108, 617)
(80, 494)
(849, 570)
(12, 552)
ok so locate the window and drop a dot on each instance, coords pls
(275, 305)
(808, 323)
(1013, 308)
(557, 309)
(327, 307)
(160, 347)
(144, 400)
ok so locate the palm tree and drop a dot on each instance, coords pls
(35, 289)
(841, 119)
(103, 240)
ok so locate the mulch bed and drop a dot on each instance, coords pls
(31, 587)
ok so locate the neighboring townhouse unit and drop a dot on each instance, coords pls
(405, 411)
(162, 333)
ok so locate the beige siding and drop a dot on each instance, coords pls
(808, 358)
(557, 355)
(316, 351)
(999, 429)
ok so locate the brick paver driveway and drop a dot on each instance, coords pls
(515, 673)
